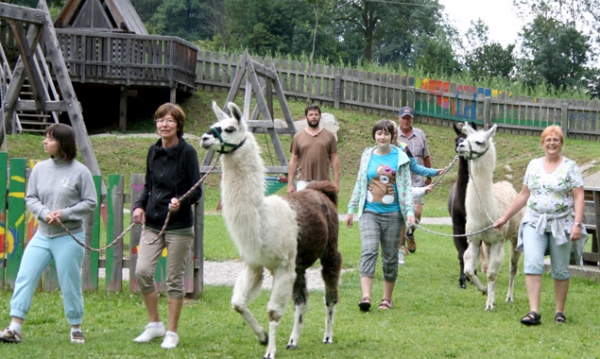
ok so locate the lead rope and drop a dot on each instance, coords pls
(482, 205)
(134, 224)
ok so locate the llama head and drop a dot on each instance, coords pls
(477, 143)
(460, 135)
(229, 133)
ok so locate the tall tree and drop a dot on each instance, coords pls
(386, 30)
(554, 51)
(584, 15)
(183, 18)
(486, 59)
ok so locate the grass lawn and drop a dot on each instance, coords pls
(432, 317)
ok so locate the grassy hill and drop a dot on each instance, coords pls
(126, 155)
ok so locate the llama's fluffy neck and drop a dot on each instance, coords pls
(242, 194)
(479, 189)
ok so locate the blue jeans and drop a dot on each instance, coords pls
(376, 228)
(535, 247)
(38, 254)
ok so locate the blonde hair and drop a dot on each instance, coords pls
(553, 130)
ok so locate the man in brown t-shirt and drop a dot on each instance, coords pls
(313, 150)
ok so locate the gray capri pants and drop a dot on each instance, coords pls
(178, 247)
(535, 246)
(376, 228)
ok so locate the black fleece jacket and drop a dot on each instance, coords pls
(170, 172)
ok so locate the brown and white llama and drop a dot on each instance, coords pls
(485, 202)
(285, 235)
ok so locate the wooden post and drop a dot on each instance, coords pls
(173, 95)
(564, 108)
(337, 90)
(487, 115)
(198, 248)
(91, 259)
(123, 110)
(3, 227)
(137, 185)
(114, 227)
(15, 233)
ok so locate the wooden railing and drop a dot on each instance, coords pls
(127, 59)
(434, 100)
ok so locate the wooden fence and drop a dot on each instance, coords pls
(433, 100)
(17, 226)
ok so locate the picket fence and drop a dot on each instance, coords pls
(17, 226)
(434, 101)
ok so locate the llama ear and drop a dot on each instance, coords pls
(467, 130)
(218, 112)
(490, 132)
(235, 111)
(457, 128)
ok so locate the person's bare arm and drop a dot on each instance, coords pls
(335, 165)
(292, 173)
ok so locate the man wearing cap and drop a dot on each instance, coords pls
(313, 150)
(416, 141)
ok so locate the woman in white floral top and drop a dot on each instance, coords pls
(553, 193)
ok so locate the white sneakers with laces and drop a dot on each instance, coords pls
(151, 332)
(171, 340)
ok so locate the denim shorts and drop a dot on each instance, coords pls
(536, 245)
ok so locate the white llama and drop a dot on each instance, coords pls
(286, 235)
(485, 202)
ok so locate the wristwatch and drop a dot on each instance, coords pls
(578, 224)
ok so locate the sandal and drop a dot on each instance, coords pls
(365, 304)
(532, 318)
(386, 304)
(560, 318)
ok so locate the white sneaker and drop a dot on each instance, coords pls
(171, 340)
(151, 332)
(400, 257)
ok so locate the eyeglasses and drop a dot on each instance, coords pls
(170, 121)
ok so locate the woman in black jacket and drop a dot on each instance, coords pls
(171, 170)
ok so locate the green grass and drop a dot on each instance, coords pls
(432, 317)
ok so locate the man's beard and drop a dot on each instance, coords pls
(310, 124)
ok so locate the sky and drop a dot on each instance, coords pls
(498, 15)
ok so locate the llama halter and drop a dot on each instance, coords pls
(224, 144)
(471, 152)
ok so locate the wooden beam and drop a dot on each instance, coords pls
(29, 105)
(123, 110)
(21, 13)
(27, 44)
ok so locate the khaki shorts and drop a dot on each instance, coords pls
(418, 201)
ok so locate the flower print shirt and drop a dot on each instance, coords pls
(550, 207)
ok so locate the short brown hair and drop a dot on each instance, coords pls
(65, 136)
(312, 108)
(174, 110)
(386, 126)
(553, 130)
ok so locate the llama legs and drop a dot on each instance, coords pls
(495, 258)
(245, 291)
(471, 257)
(283, 279)
(300, 297)
(332, 266)
(515, 255)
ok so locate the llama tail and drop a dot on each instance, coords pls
(327, 188)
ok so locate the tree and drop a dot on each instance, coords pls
(584, 15)
(487, 59)
(436, 56)
(183, 18)
(386, 31)
(555, 52)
